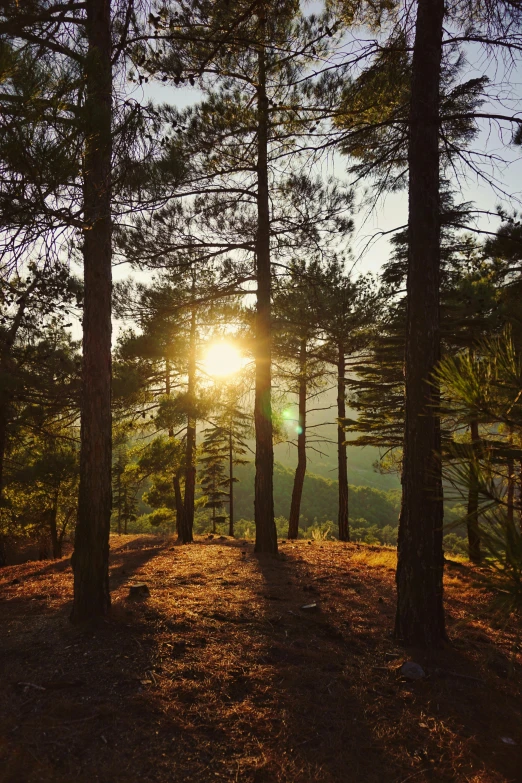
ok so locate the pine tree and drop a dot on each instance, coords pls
(227, 439)
(213, 480)
(296, 332)
(125, 487)
(257, 103)
(346, 309)
(420, 612)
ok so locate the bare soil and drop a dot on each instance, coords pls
(221, 674)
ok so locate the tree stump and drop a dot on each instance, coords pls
(139, 590)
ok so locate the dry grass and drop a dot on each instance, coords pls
(222, 675)
(375, 556)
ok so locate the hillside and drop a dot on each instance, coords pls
(322, 446)
(319, 498)
(221, 674)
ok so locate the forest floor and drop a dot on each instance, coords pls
(221, 674)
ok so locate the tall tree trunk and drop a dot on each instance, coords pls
(167, 389)
(43, 546)
(119, 502)
(511, 483)
(56, 542)
(91, 551)
(342, 467)
(420, 611)
(180, 511)
(4, 405)
(266, 534)
(472, 521)
(231, 482)
(3, 446)
(520, 495)
(300, 471)
(190, 455)
(175, 479)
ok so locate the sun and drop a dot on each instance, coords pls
(222, 359)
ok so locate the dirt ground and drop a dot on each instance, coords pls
(221, 674)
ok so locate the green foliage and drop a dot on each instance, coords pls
(163, 519)
(485, 385)
(126, 484)
(319, 498)
(503, 539)
(40, 492)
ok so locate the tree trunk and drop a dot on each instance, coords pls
(342, 467)
(511, 483)
(231, 480)
(175, 479)
(266, 534)
(91, 552)
(4, 403)
(472, 521)
(190, 456)
(300, 471)
(167, 389)
(56, 542)
(119, 502)
(179, 505)
(420, 611)
(3, 446)
(43, 546)
(520, 495)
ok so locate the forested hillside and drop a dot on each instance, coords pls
(319, 503)
(373, 513)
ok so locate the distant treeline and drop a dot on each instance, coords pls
(374, 513)
(319, 503)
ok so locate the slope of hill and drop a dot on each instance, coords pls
(322, 445)
(319, 498)
(224, 673)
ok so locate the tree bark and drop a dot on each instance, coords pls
(3, 446)
(179, 505)
(190, 455)
(118, 507)
(520, 495)
(175, 479)
(511, 483)
(342, 467)
(300, 471)
(231, 480)
(420, 612)
(167, 389)
(472, 521)
(91, 552)
(266, 534)
(56, 542)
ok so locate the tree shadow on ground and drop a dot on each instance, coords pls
(221, 674)
(459, 719)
